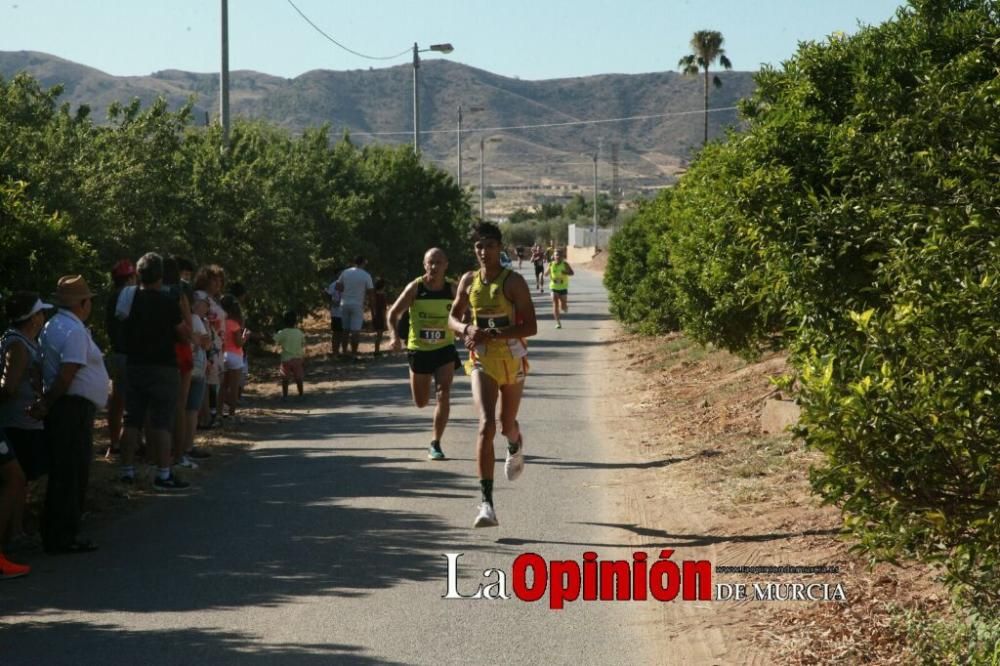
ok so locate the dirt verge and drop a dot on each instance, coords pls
(705, 481)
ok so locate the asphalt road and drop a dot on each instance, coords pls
(326, 542)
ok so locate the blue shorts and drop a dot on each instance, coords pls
(196, 394)
(352, 316)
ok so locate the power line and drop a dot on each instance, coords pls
(349, 50)
(562, 124)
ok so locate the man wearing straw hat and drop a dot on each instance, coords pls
(75, 384)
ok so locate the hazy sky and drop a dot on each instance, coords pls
(533, 39)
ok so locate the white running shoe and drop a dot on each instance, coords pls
(487, 516)
(514, 464)
(187, 462)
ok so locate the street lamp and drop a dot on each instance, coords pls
(482, 177)
(440, 48)
(472, 109)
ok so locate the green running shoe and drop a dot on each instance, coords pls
(435, 452)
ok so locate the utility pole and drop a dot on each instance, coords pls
(416, 104)
(595, 203)
(440, 48)
(482, 177)
(224, 77)
(616, 191)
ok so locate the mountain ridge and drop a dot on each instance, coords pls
(376, 105)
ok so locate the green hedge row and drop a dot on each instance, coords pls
(856, 223)
(279, 212)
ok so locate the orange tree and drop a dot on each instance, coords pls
(855, 222)
(277, 211)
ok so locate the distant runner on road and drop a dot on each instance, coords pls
(430, 342)
(538, 260)
(502, 316)
(559, 272)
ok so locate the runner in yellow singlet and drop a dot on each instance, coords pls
(430, 343)
(559, 271)
(503, 315)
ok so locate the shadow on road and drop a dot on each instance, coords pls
(282, 522)
(675, 540)
(189, 645)
(648, 464)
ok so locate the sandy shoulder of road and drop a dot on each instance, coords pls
(698, 476)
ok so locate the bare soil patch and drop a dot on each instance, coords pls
(709, 483)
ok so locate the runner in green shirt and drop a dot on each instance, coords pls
(559, 272)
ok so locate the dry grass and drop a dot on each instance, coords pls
(702, 405)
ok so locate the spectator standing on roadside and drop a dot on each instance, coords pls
(21, 382)
(202, 341)
(75, 386)
(122, 276)
(239, 292)
(357, 290)
(211, 279)
(185, 268)
(23, 456)
(152, 329)
(291, 340)
(235, 337)
(338, 338)
(180, 292)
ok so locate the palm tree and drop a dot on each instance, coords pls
(707, 48)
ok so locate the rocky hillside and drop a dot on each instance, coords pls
(380, 100)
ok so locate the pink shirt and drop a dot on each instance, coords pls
(233, 329)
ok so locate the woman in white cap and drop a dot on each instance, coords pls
(20, 384)
(21, 381)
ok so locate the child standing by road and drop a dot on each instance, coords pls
(291, 340)
(234, 337)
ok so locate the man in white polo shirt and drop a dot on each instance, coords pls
(75, 384)
(356, 289)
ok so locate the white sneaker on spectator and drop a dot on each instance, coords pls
(187, 462)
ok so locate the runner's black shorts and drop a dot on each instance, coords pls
(539, 269)
(427, 362)
(560, 292)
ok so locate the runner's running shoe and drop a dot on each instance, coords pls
(435, 452)
(487, 516)
(514, 464)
